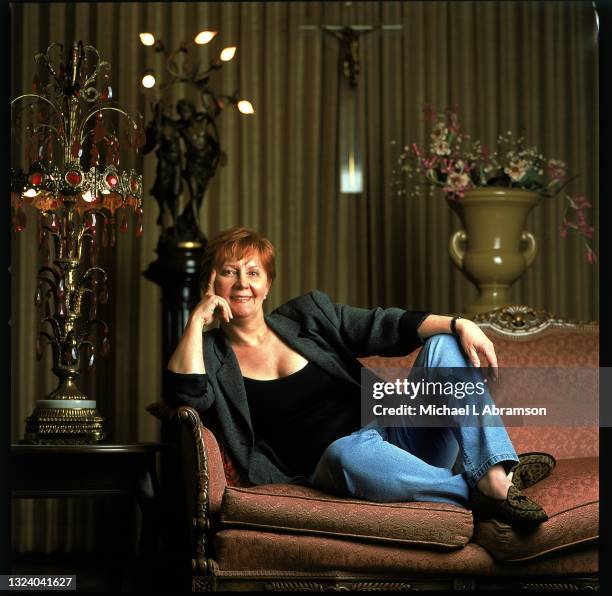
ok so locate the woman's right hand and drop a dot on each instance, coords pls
(211, 305)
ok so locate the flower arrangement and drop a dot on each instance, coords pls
(457, 164)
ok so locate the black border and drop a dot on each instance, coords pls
(604, 9)
(5, 411)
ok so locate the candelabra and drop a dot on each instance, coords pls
(74, 182)
(188, 147)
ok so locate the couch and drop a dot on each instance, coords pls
(284, 537)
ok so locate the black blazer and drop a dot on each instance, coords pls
(331, 335)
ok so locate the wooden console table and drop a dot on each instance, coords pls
(96, 470)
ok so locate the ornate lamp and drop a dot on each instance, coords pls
(74, 182)
(188, 148)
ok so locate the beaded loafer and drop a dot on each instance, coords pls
(532, 467)
(516, 509)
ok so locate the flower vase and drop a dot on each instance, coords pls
(493, 249)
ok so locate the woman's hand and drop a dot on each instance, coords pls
(211, 305)
(476, 345)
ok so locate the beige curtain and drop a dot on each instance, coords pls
(524, 66)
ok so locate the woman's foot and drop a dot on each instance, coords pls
(495, 483)
(496, 497)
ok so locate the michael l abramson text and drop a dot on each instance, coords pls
(444, 410)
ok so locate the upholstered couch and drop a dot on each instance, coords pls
(294, 538)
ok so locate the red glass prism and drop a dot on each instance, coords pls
(73, 177)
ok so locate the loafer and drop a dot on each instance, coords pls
(532, 467)
(517, 510)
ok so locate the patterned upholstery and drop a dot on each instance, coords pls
(288, 528)
(285, 507)
(243, 552)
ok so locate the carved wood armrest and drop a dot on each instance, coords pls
(203, 476)
(520, 320)
(208, 468)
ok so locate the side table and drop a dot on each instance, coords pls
(95, 470)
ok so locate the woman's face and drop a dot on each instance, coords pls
(244, 284)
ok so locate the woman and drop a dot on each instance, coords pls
(285, 391)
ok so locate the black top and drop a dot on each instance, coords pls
(298, 416)
(301, 414)
(333, 336)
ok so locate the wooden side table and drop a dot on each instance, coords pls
(97, 470)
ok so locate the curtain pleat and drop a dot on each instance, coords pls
(528, 67)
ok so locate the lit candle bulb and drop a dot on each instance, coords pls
(203, 37)
(245, 107)
(148, 80)
(227, 53)
(147, 39)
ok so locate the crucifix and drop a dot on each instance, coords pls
(351, 163)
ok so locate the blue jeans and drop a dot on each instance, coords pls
(389, 464)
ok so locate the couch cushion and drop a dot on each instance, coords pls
(570, 496)
(300, 509)
(252, 550)
(240, 553)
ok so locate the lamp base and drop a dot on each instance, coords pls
(55, 424)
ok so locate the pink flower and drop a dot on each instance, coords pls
(453, 121)
(556, 168)
(429, 164)
(590, 255)
(579, 203)
(430, 113)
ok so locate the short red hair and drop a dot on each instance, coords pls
(235, 244)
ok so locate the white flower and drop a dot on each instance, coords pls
(457, 181)
(440, 147)
(516, 170)
(440, 128)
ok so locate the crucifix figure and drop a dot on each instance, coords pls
(351, 170)
(349, 49)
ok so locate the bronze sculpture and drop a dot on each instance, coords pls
(162, 135)
(202, 153)
(188, 153)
